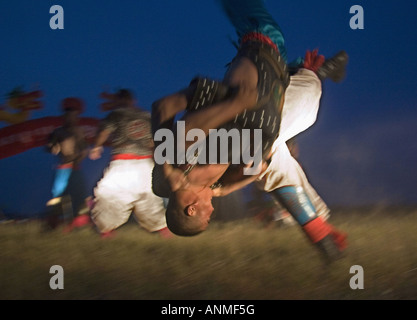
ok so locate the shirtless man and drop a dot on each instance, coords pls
(69, 144)
(259, 65)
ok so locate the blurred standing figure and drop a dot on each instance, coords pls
(126, 185)
(68, 142)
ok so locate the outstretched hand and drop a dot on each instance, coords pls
(313, 61)
(95, 153)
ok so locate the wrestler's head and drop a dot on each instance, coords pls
(125, 99)
(72, 104)
(188, 212)
(72, 107)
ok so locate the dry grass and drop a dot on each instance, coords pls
(232, 260)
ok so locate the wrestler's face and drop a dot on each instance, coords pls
(203, 209)
(197, 204)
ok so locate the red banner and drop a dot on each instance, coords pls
(21, 137)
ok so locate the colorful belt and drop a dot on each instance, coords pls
(129, 156)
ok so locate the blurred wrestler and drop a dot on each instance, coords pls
(69, 143)
(126, 183)
(259, 65)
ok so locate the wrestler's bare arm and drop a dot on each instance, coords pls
(222, 112)
(242, 74)
(234, 180)
(96, 151)
(229, 188)
(166, 108)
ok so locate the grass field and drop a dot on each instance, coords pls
(232, 260)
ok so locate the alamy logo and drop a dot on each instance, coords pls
(222, 146)
(357, 281)
(57, 20)
(357, 20)
(57, 280)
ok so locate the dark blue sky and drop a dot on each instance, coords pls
(362, 149)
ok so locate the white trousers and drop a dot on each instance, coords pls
(126, 188)
(302, 100)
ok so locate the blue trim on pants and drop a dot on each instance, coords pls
(60, 181)
(298, 204)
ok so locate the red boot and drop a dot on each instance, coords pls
(330, 242)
